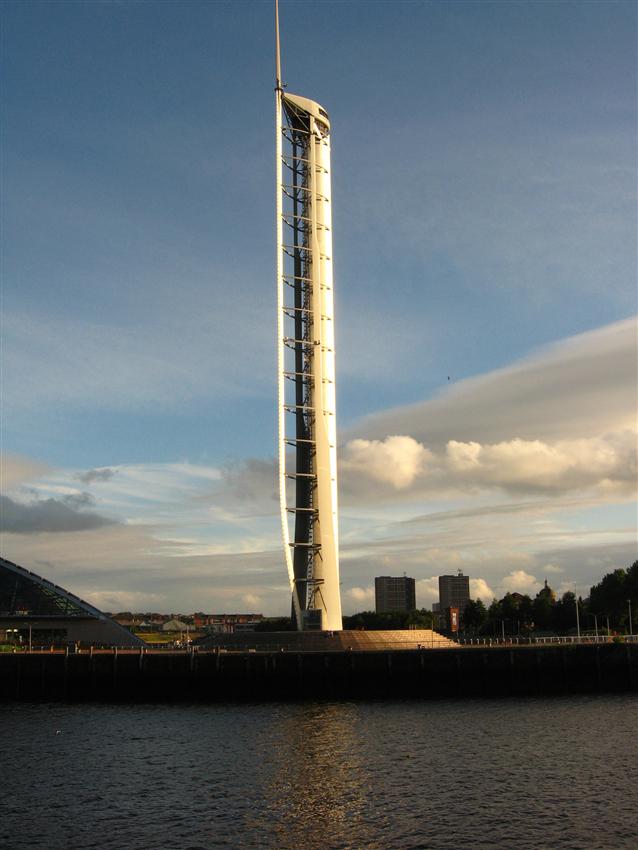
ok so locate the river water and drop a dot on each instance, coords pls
(534, 774)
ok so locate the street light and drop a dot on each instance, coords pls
(577, 616)
(631, 628)
(595, 616)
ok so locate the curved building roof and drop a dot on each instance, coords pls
(28, 597)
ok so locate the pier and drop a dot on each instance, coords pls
(217, 675)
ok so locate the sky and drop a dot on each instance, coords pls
(484, 228)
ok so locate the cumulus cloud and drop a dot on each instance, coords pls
(518, 581)
(396, 460)
(360, 595)
(93, 475)
(528, 466)
(47, 515)
(536, 465)
(480, 589)
(427, 591)
(251, 599)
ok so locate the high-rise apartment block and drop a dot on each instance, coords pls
(394, 593)
(454, 592)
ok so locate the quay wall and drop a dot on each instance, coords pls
(421, 673)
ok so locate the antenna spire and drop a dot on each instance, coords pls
(278, 47)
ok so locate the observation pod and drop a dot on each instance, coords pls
(306, 362)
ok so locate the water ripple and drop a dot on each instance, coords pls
(528, 774)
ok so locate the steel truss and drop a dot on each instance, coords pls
(306, 364)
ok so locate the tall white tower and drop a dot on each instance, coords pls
(306, 360)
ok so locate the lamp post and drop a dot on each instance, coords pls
(631, 628)
(577, 617)
(595, 616)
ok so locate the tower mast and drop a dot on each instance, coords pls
(306, 357)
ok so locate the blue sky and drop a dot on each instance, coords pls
(484, 229)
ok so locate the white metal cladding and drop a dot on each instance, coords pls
(306, 362)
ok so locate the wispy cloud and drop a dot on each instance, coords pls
(16, 470)
(48, 515)
(581, 387)
(92, 475)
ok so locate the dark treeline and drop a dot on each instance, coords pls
(608, 603)
(516, 613)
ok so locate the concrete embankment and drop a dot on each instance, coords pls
(424, 673)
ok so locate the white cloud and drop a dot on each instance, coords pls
(552, 569)
(396, 461)
(251, 599)
(427, 591)
(401, 463)
(126, 600)
(480, 589)
(518, 581)
(533, 464)
(363, 595)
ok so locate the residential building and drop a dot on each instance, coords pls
(394, 593)
(454, 592)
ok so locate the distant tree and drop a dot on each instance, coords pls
(275, 624)
(474, 616)
(609, 597)
(494, 617)
(525, 612)
(509, 607)
(516, 610)
(373, 621)
(542, 607)
(564, 613)
(420, 619)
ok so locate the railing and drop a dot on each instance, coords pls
(531, 640)
(446, 643)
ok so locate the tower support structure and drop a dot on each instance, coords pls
(306, 361)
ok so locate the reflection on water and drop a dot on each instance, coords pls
(533, 775)
(315, 793)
